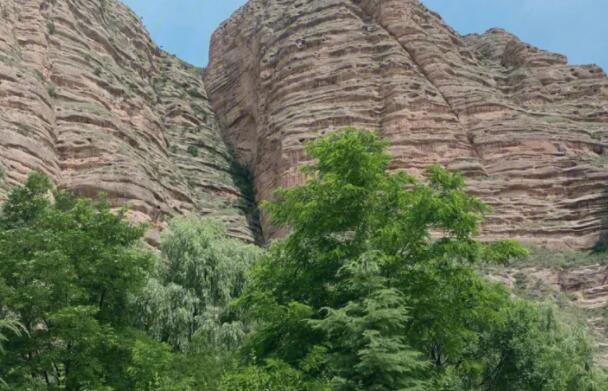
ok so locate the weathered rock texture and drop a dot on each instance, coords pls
(528, 130)
(87, 98)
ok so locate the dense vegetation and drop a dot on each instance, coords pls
(375, 288)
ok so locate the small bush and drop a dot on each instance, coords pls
(244, 179)
(39, 75)
(51, 27)
(193, 92)
(52, 91)
(192, 150)
(556, 259)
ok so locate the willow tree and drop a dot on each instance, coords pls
(187, 301)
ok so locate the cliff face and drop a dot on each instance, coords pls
(87, 98)
(528, 130)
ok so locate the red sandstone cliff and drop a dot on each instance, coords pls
(86, 97)
(528, 130)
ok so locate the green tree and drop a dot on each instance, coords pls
(154, 367)
(367, 337)
(68, 268)
(273, 376)
(187, 302)
(9, 325)
(375, 286)
(531, 347)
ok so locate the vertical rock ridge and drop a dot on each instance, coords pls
(88, 99)
(527, 129)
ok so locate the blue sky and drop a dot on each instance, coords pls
(576, 28)
(184, 27)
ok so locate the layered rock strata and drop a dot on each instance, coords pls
(87, 98)
(526, 128)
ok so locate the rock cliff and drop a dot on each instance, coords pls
(527, 129)
(87, 98)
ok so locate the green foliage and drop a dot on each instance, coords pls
(195, 93)
(600, 247)
(68, 268)
(74, 273)
(192, 150)
(375, 287)
(28, 202)
(532, 348)
(51, 27)
(39, 75)
(243, 179)
(366, 337)
(275, 375)
(186, 304)
(154, 367)
(9, 325)
(559, 259)
(52, 91)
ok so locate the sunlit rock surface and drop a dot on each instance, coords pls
(87, 98)
(526, 128)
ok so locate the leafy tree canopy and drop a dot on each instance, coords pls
(68, 271)
(375, 287)
(187, 303)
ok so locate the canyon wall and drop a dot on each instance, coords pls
(87, 98)
(527, 129)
